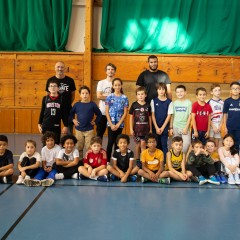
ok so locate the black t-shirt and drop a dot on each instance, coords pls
(6, 158)
(123, 160)
(149, 80)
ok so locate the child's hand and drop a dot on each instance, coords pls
(132, 132)
(122, 174)
(184, 176)
(124, 179)
(159, 131)
(171, 132)
(89, 169)
(206, 135)
(92, 122)
(185, 131)
(75, 122)
(93, 173)
(232, 168)
(195, 134)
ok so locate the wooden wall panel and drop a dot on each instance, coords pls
(6, 92)
(23, 121)
(7, 121)
(35, 116)
(7, 68)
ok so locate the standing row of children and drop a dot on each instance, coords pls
(202, 116)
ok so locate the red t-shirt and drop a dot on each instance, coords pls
(202, 115)
(95, 160)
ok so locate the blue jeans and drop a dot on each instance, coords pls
(41, 174)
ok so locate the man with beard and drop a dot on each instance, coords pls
(150, 79)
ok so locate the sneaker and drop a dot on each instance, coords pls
(231, 179)
(32, 182)
(218, 178)
(20, 179)
(144, 180)
(202, 180)
(47, 182)
(75, 176)
(4, 179)
(194, 179)
(223, 179)
(132, 178)
(164, 180)
(103, 178)
(114, 178)
(237, 180)
(59, 176)
(27, 177)
(213, 180)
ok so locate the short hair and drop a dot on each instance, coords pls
(195, 142)
(3, 138)
(177, 139)
(32, 142)
(111, 65)
(117, 79)
(96, 139)
(123, 136)
(181, 86)
(151, 57)
(141, 89)
(83, 88)
(200, 89)
(163, 86)
(48, 135)
(53, 81)
(67, 137)
(234, 83)
(150, 136)
(211, 141)
(214, 85)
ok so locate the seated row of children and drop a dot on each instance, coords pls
(202, 164)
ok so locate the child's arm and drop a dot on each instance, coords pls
(185, 130)
(171, 132)
(108, 116)
(124, 179)
(122, 118)
(165, 122)
(121, 173)
(209, 124)
(150, 123)
(225, 117)
(96, 170)
(144, 168)
(72, 163)
(194, 125)
(6, 167)
(41, 115)
(155, 122)
(131, 123)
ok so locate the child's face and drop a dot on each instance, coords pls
(198, 147)
(201, 96)
(96, 147)
(216, 92)
(152, 143)
(50, 143)
(30, 149)
(180, 93)
(228, 142)
(53, 88)
(3, 147)
(141, 95)
(161, 92)
(122, 144)
(177, 146)
(210, 147)
(235, 89)
(117, 86)
(84, 95)
(69, 145)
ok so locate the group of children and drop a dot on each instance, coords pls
(194, 153)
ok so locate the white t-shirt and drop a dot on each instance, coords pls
(68, 156)
(35, 155)
(105, 87)
(49, 155)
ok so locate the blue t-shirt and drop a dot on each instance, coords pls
(232, 108)
(116, 107)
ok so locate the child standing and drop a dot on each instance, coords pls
(116, 112)
(161, 115)
(217, 113)
(123, 159)
(67, 161)
(54, 109)
(46, 174)
(153, 162)
(230, 159)
(85, 111)
(181, 118)
(200, 163)
(29, 162)
(201, 117)
(95, 161)
(176, 161)
(6, 161)
(231, 113)
(140, 121)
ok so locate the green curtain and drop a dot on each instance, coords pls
(34, 25)
(171, 26)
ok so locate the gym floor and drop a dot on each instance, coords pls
(87, 209)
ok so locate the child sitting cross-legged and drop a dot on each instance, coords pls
(153, 162)
(176, 161)
(200, 163)
(95, 162)
(123, 159)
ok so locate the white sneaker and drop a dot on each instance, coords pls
(20, 180)
(231, 179)
(31, 182)
(27, 177)
(237, 180)
(47, 182)
(75, 176)
(5, 179)
(59, 176)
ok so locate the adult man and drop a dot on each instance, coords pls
(104, 88)
(66, 87)
(150, 78)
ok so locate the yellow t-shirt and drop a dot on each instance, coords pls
(176, 160)
(215, 157)
(152, 162)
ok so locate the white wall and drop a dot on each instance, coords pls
(77, 27)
